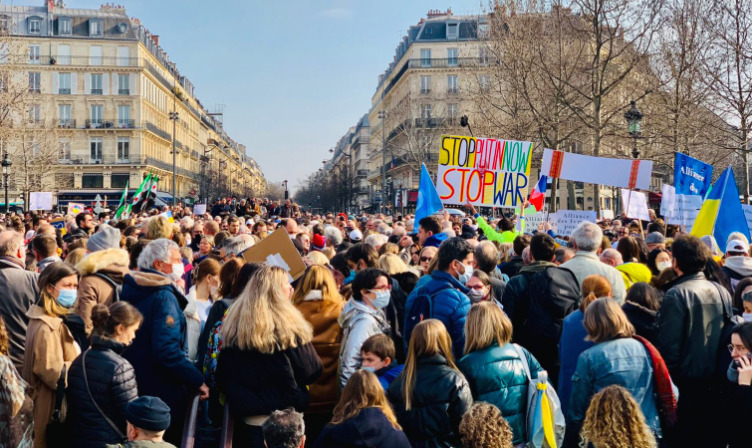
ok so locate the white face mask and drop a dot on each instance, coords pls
(465, 276)
(177, 271)
(663, 265)
(747, 317)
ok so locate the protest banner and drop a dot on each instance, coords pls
(532, 221)
(635, 204)
(607, 214)
(623, 173)
(691, 176)
(277, 250)
(58, 223)
(568, 220)
(483, 171)
(40, 200)
(75, 208)
(199, 209)
(748, 216)
(679, 209)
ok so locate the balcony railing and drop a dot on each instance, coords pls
(126, 123)
(62, 91)
(428, 122)
(453, 90)
(96, 91)
(35, 90)
(151, 127)
(124, 91)
(96, 61)
(425, 91)
(66, 123)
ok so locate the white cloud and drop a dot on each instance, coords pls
(336, 13)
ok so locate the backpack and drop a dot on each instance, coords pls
(213, 347)
(544, 422)
(118, 288)
(421, 309)
(552, 294)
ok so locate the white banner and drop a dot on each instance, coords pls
(748, 214)
(598, 170)
(532, 221)
(40, 201)
(568, 220)
(199, 209)
(635, 204)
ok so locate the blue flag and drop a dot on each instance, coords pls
(691, 176)
(429, 201)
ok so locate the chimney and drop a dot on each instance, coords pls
(155, 39)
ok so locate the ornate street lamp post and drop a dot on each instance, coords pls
(6, 163)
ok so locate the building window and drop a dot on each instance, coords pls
(92, 181)
(119, 180)
(453, 57)
(35, 82)
(483, 56)
(35, 53)
(123, 56)
(64, 26)
(64, 116)
(425, 84)
(96, 115)
(124, 116)
(96, 84)
(95, 55)
(453, 112)
(452, 86)
(124, 87)
(35, 113)
(35, 25)
(483, 30)
(95, 27)
(4, 82)
(425, 57)
(425, 111)
(95, 147)
(484, 82)
(452, 30)
(5, 22)
(123, 149)
(64, 83)
(63, 55)
(65, 150)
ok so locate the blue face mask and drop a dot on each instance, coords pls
(66, 297)
(381, 300)
(370, 369)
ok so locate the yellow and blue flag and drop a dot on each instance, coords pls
(721, 213)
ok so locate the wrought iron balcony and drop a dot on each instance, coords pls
(66, 123)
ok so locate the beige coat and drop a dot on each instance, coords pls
(93, 289)
(49, 346)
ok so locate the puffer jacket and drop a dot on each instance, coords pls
(368, 428)
(690, 322)
(497, 375)
(93, 289)
(450, 306)
(358, 322)
(440, 398)
(112, 382)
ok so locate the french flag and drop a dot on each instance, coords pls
(538, 195)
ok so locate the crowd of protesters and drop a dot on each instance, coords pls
(397, 334)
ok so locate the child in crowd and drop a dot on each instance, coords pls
(378, 356)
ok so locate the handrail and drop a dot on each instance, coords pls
(189, 429)
(225, 440)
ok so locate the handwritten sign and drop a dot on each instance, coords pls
(75, 208)
(40, 200)
(680, 209)
(568, 220)
(635, 204)
(199, 209)
(483, 171)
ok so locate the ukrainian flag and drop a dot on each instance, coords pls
(721, 213)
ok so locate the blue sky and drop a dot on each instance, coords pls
(293, 75)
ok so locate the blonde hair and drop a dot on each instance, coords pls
(429, 337)
(504, 249)
(317, 278)
(594, 287)
(615, 420)
(483, 426)
(392, 264)
(363, 390)
(263, 318)
(485, 324)
(329, 252)
(604, 320)
(317, 258)
(159, 227)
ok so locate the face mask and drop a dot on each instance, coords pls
(476, 295)
(188, 241)
(465, 276)
(747, 317)
(66, 297)
(381, 300)
(369, 369)
(177, 271)
(663, 265)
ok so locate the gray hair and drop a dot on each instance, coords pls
(334, 235)
(237, 244)
(612, 254)
(486, 256)
(284, 429)
(399, 231)
(376, 240)
(587, 236)
(384, 229)
(158, 249)
(10, 242)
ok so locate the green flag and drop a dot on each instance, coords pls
(122, 206)
(136, 202)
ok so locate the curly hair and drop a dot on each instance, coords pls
(483, 426)
(614, 420)
(4, 340)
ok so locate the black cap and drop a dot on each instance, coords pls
(149, 413)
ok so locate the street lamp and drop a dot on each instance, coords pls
(174, 116)
(634, 117)
(382, 116)
(287, 194)
(6, 163)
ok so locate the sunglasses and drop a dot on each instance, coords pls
(422, 259)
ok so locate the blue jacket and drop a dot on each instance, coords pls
(450, 306)
(368, 428)
(435, 240)
(496, 375)
(624, 362)
(571, 344)
(387, 374)
(157, 353)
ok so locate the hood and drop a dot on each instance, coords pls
(354, 311)
(536, 266)
(100, 343)
(642, 309)
(152, 280)
(37, 312)
(102, 259)
(741, 265)
(370, 427)
(435, 240)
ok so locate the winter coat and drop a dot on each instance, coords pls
(389, 373)
(633, 273)
(571, 344)
(216, 313)
(49, 347)
(497, 375)
(157, 353)
(280, 380)
(624, 362)
(642, 319)
(327, 338)
(367, 429)
(92, 289)
(194, 324)
(737, 409)
(406, 280)
(18, 291)
(512, 267)
(587, 263)
(689, 323)
(358, 322)
(450, 306)
(440, 398)
(112, 382)
(737, 268)
(491, 233)
(16, 408)
(435, 240)
(516, 290)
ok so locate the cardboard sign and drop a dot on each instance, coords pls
(199, 209)
(40, 201)
(483, 171)
(568, 220)
(635, 204)
(58, 223)
(277, 250)
(623, 173)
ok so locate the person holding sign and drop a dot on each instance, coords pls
(507, 234)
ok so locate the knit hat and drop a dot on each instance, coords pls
(107, 238)
(318, 242)
(149, 413)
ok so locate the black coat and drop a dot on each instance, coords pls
(440, 398)
(113, 384)
(512, 267)
(739, 408)
(642, 319)
(258, 384)
(369, 429)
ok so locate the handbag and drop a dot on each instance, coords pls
(57, 435)
(86, 381)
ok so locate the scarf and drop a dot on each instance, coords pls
(666, 398)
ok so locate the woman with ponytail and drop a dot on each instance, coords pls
(101, 382)
(573, 334)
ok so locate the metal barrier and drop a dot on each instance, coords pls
(189, 429)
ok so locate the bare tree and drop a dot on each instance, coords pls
(275, 191)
